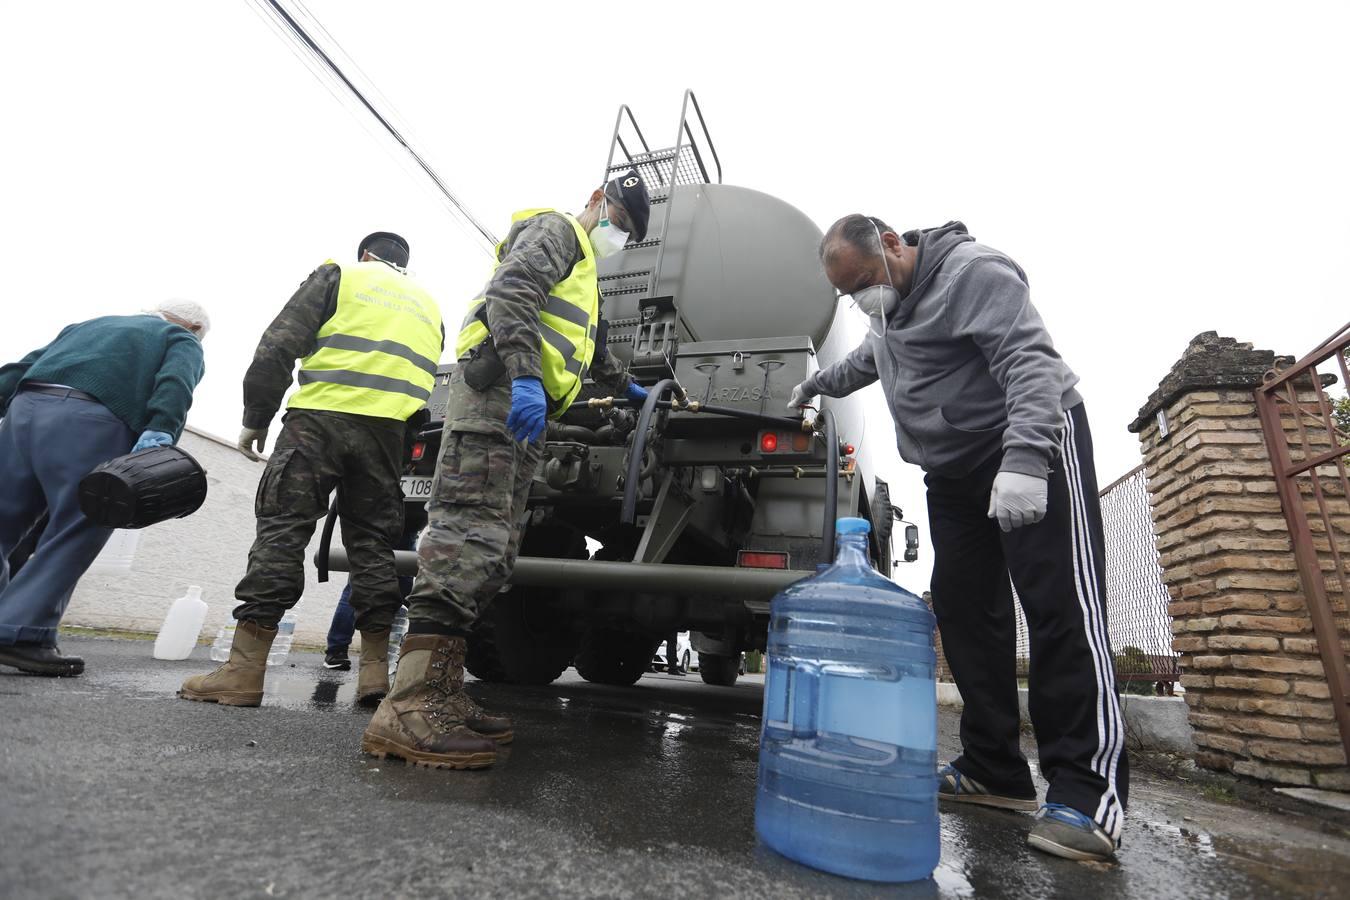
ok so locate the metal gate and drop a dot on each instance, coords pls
(1307, 449)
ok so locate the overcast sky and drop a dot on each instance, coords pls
(1158, 169)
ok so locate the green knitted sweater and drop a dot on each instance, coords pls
(142, 368)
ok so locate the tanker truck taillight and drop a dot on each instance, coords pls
(794, 442)
(761, 559)
(419, 450)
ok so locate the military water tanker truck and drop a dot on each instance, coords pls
(690, 511)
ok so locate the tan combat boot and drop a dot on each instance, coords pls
(495, 728)
(372, 677)
(239, 682)
(419, 721)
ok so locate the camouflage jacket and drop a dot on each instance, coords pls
(538, 253)
(291, 336)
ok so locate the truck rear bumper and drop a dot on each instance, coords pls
(603, 575)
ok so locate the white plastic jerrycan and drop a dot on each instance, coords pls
(178, 634)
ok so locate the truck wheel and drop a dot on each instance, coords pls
(507, 646)
(613, 656)
(719, 670)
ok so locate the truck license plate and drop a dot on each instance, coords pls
(416, 487)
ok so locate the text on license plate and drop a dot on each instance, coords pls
(416, 487)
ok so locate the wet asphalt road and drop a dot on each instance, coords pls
(110, 786)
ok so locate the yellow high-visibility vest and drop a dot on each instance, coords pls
(377, 355)
(567, 323)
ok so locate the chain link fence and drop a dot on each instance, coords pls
(1136, 599)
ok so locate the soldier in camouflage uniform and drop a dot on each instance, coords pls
(370, 339)
(507, 383)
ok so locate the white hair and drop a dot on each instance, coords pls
(186, 310)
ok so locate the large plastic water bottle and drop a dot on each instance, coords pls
(281, 644)
(397, 632)
(178, 635)
(848, 754)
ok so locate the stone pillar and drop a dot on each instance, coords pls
(1255, 686)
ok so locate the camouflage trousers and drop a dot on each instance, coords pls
(317, 452)
(477, 508)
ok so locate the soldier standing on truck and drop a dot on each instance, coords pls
(523, 350)
(984, 404)
(370, 339)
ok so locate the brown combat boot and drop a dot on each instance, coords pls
(372, 678)
(494, 728)
(239, 682)
(419, 721)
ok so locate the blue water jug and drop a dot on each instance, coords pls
(848, 752)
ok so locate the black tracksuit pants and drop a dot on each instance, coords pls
(1056, 565)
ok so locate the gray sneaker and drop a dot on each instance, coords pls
(1064, 831)
(958, 788)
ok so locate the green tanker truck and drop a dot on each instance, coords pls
(689, 512)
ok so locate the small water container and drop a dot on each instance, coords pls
(281, 644)
(848, 751)
(397, 632)
(178, 635)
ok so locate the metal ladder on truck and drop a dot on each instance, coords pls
(663, 170)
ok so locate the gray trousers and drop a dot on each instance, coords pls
(47, 444)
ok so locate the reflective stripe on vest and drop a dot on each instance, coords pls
(567, 321)
(378, 353)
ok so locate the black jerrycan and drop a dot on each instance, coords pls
(143, 488)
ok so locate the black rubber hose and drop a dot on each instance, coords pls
(628, 511)
(576, 433)
(831, 486)
(326, 541)
(731, 412)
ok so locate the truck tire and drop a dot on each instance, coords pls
(613, 656)
(721, 671)
(504, 647)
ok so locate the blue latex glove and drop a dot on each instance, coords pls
(529, 409)
(636, 392)
(152, 439)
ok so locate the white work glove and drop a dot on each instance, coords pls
(250, 437)
(1017, 499)
(800, 395)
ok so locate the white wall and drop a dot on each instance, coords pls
(208, 548)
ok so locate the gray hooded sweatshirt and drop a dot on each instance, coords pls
(966, 363)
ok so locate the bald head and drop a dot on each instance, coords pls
(859, 251)
(854, 230)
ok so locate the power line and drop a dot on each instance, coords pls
(298, 33)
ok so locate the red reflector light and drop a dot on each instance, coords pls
(419, 450)
(768, 442)
(849, 449)
(761, 559)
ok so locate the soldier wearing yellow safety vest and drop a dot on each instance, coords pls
(369, 340)
(524, 348)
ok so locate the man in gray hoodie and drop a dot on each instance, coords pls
(984, 404)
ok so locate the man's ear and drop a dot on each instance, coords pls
(596, 195)
(891, 241)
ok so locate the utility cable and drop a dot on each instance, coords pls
(296, 33)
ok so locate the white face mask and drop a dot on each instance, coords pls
(605, 238)
(878, 301)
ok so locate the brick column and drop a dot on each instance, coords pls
(1255, 687)
(942, 671)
